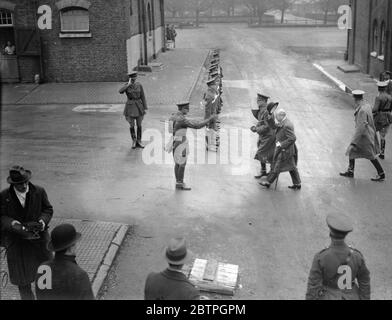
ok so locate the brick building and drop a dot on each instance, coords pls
(369, 41)
(90, 40)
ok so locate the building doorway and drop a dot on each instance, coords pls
(7, 32)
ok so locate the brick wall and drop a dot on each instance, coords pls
(361, 39)
(105, 56)
(99, 58)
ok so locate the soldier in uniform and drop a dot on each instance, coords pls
(266, 141)
(212, 101)
(382, 114)
(178, 125)
(387, 77)
(338, 272)
(135, 108)
(364, 143)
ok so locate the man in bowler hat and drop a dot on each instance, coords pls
(172, 284)
(135, 108)
(24, 218)
(338, 272)
(68, 280)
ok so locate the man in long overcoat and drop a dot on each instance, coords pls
(338, 272)
(364, 144)
(135, 108)
(266, 140)
(25, 215)
(286, 153)
(69, 281)
(382, 114)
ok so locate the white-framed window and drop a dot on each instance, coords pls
(6, 19)
(75, 20)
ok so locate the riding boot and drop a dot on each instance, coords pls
(350, 171)
(139, 137)
(382, 153)
(133, 135)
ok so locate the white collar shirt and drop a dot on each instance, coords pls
(22, 196)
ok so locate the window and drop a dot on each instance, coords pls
(375, 36)
(383, 39)
(130, 8)
(75, 20)
(6, 18)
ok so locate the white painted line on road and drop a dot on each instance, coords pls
(339, 83)
(107, 108)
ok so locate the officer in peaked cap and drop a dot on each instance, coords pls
(364, 144)
(178, 125)
(382, 113)
(266, 139)
(338, 272)
(135, 108)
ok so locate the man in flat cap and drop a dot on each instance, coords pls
(68, 280)
(178, 125)
(286, 152)
(364, 143)
(266, 140)
(338, 272)
(24, 217)
(172, 284)
(135, 108)
(382, 114)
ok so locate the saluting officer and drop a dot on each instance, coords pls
(178, 125)
(338, 272)
(382, 114)
(135, 108)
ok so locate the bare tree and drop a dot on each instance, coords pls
(197, 6)
(258, 7)
(174, 6)
(282, 5)
(328, 6)
(227, 5)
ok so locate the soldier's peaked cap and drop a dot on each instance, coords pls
(132, 74)
(183, 104)
(339, 222)
(358, 93)
(382, 84)
(262, 96)
(211, 81)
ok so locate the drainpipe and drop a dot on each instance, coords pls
(387, 61)
(370, 34)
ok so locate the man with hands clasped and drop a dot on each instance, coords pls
(24, 217)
